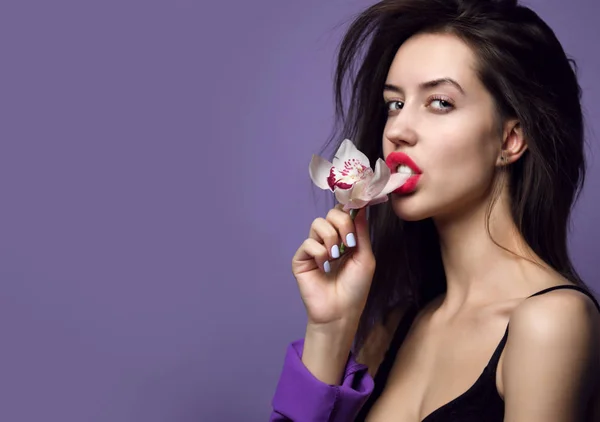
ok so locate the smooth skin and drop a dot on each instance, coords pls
(441, 115)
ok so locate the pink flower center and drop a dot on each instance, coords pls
(352, 172)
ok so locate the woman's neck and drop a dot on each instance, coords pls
(478, 270)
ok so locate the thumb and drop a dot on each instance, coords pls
(363, 237)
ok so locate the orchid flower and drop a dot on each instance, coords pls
(351, 179)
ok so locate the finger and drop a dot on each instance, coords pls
(324, 232)
(311, 249)
(344, 225)
(364, 249)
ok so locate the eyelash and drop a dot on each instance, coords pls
(441, 99)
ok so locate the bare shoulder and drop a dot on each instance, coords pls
(552, 352)
(559, 318)
(552, 316)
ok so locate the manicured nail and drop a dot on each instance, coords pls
(327, 267)
(335, 251)
(350, 240)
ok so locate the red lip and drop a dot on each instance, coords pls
(395, 159)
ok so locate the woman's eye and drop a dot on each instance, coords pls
(441, 104)
(394, 105)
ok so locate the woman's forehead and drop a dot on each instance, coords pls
(428, 57)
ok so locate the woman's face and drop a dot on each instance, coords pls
(440, 116)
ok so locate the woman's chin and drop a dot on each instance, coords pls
(407, 208)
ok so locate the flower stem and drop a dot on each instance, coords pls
(353, 213)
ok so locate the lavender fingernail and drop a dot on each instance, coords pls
(350, 240)
(327, 267)
(335, 251)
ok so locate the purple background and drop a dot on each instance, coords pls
(154, 180)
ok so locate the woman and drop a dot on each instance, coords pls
(479, 100)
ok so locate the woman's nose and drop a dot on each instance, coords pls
(400, 129)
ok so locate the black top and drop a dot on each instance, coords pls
(481, 402)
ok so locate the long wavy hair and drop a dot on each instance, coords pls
(524, 67)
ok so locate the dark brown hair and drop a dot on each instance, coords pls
(523, 65)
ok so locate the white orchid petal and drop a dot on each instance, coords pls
(343, 196)
(319, 169)
(377, 182)
(355, 204)
(348, 151)
(395, 181)
(360, 188)
(378, 200)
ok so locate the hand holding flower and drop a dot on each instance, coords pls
(334, 291)
(351, 179)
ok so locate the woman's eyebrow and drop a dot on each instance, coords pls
(427, 85)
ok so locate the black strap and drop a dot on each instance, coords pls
(569, 286)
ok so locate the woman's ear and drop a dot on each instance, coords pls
(514, 144)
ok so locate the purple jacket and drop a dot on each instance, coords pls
(300, 397)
